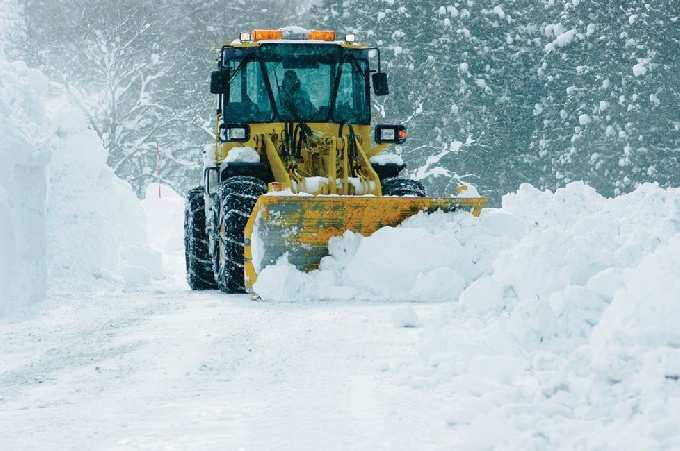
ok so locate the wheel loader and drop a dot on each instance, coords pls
(297, 158)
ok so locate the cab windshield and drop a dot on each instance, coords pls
(294, 82)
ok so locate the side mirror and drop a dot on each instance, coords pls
(395, 134)
(219, 83)
(380, 87)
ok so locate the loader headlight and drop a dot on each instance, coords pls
(234, 132)
(390, 134)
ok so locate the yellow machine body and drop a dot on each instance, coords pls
(301, 226)
(321, 179)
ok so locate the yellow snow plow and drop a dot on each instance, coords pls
(296, 159)
(300, 226)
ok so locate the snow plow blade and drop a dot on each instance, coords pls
(301, 226)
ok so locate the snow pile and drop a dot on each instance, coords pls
(428, 257)
(164, 211)
(96, 225)
(563, 317)
(242, 155)
(576, 326)
(67, 223)
(23, 156)
(386, 158)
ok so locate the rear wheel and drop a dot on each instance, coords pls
(395, 186)
(197, 257)
(237, 199)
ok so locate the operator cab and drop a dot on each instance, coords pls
(264, 78)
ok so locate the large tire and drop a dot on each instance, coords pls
(395, 186)
(237, 199)
(200, 274)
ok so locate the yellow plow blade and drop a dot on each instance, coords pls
(302, 225)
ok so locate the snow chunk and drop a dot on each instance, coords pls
(387, 158)
(499, 11)
(404, 316)
(562, 36)
(639, 70)
(242, 155)
(641, 67)
(468, 191)
(565, 38)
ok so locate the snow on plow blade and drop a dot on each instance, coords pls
(302, 225)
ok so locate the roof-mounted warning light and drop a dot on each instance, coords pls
(321, 35)
(267, 35)
(272, 35)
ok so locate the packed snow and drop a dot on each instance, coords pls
(66, 217)
(24, 153)
(560, 322)
(547, 323)
(242, 155)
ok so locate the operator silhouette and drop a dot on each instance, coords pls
(293, 100)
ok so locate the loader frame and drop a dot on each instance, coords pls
(290, 169)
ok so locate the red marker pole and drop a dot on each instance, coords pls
(158, 168)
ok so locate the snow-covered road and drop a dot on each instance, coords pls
(182, 370)
(556, 328)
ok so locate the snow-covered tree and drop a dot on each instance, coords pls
(460, 83)
(610, 95)
(494, 94)
(523, 91)
(140, 72)
(111, 61)
(12, 27)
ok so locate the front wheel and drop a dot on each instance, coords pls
(237, 199)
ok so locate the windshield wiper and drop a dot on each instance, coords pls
(240, 67)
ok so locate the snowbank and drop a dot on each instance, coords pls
(538, 244)
(426, 258)
(67, 223)
(562, 326)
(96, 225)
(164, 211)
(572, 340)
(23, 156)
